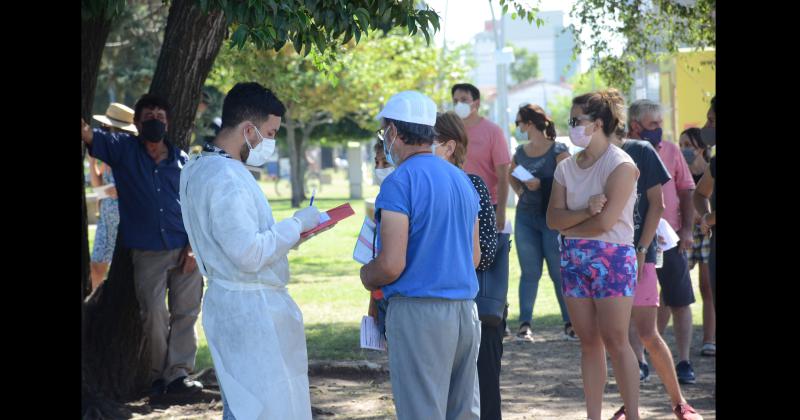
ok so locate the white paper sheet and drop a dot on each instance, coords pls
(370, 335)
(102, 191)
(507, 228)
(363, 249)
(667, 234)
(522, 174)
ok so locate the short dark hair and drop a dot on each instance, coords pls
(714, 104)
(412, 133)
(150, 101)
(476, 94)
(250, 101)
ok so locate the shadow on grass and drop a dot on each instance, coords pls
(325, 341)
(550, 320)
(322, 271)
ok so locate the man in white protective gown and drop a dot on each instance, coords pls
(253, 327)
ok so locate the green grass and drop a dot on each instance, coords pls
(325, 280)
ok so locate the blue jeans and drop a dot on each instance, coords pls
(536, 243)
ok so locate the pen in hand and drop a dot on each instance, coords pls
(313, 193)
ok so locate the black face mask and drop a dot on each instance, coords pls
(153, 131)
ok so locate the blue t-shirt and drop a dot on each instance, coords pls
(442, 208)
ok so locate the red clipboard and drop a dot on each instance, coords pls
(336, 214)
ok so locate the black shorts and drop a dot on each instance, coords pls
(673, 276)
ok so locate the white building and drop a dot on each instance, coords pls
(550, 42)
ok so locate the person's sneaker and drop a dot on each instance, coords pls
(525, 333)
(619, 415)
(157, 388)
(708, 350)
(569, 332)
(684, 411)
(644, 372)
(685, 372)
(184, 385)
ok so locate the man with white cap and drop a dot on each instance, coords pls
(427, 215)
(254, 328)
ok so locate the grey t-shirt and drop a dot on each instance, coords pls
(541, 167)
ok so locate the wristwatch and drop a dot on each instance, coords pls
(641, 250)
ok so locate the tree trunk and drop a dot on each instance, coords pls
(192, 40)
(94, 402)
(296, 159)
(115, 359)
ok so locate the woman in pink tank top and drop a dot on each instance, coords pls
(591, 205)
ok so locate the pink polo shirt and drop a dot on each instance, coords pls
(486, 149)
(681, 180)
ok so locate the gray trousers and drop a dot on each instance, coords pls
(433, 351)
(170, 333)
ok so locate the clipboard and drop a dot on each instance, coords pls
(336, 214)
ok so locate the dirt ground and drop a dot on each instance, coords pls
(539, 380)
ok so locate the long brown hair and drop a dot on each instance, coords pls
(450, 127)
(534, 114)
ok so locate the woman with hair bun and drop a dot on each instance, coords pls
(591, 204)
(536, 243)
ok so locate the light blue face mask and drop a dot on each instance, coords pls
(388, 153)
(521, 135)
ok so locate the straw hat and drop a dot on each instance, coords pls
(119, 116)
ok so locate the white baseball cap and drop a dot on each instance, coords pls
(410, 106)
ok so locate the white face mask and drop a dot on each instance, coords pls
(258, 155)
(382, 173)
(462, 110)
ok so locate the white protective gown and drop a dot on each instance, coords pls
(253, 327)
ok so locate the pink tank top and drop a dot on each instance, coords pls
(584, 183)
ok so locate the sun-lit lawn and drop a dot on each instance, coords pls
(325, 283)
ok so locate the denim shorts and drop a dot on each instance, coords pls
(597, 269)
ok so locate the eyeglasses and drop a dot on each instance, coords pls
(573, 122)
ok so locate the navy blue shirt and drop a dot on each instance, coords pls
(149, 206)
(652, 172)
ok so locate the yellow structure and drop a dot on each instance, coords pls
(687, 84)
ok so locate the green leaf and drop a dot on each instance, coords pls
(240, 35)
(505, 9)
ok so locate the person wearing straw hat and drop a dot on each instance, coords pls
(118, 117)
(147, 169)
(427, 215)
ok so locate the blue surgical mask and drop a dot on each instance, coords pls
(521, 135)
(653, 136)
(388, 153)
(689, 155)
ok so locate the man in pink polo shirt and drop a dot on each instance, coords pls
(645, 123)
(487, 150)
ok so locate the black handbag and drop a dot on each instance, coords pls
(493, 285)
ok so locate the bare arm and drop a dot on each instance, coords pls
(656, 199)
(96, 171)
(558, 217)
(502, 194)
(476, 245)
(391, 262)
(619, 187)
(701, 198)
(514, 182)
(687, 219)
